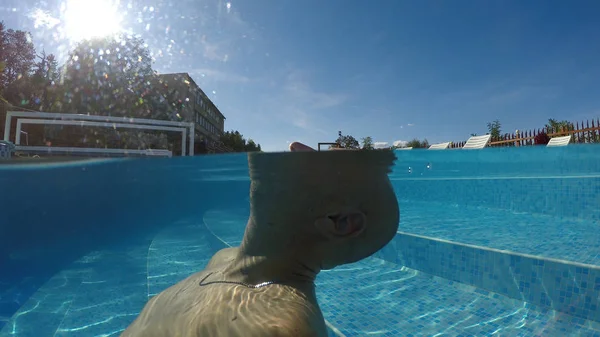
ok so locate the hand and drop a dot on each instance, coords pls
(299, 147)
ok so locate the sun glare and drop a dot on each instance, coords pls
(86, 19)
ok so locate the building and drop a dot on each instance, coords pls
(195, 106)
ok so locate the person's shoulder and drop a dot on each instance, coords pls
(294, 315)
(298, 330)
(222, 256)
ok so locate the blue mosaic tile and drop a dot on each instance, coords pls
(535, 234)
(175, 253)
(381, 295)
(377, 283)
(376, 297)
(574, 197)
(559, 285)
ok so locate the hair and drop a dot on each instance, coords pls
(272, 167)
(290, 191)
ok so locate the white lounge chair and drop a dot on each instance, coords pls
(559, 141)
(404, 148)
(439, 146)
(477, 142)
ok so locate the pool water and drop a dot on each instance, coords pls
(528, 233)
(100, 293)
(85, 266)
(376, 297)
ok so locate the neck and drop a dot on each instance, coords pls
(269, 254)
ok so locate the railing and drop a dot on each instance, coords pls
(330, 144)
(586, 132)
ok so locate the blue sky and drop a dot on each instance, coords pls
(288, 70)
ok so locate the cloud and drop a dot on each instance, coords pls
(214, 51)
(410, 124)
(299, 103)
(43, 19)
(400, 143)
(298, 87)
(381, 145)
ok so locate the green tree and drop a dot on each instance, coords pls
(45, 77)
(346, 142)
(554, 126)
(236, 142)
(367, 143)
(17, 55)
(251, 146)
(494, 129)
(37, 90)
(418, 144)
(114, 76)
(109, 76)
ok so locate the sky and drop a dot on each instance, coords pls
(394, 70)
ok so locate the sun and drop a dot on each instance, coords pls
(87, 19)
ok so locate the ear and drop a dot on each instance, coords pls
(342, 225)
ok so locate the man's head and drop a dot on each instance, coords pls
(338, 207)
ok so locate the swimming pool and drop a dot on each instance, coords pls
(498, 241)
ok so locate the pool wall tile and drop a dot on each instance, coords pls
(560, 285)
(570, 197)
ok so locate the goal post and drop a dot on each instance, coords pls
(49, 118)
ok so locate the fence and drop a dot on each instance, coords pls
(586, 132)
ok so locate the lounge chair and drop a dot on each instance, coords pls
(439, 146)
(477, 142)
(559, 141)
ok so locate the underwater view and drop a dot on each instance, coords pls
(222, 168)
(486, 245)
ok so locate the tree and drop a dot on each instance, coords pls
(17, 55)
(37, 90)
(2, 54)
(251, 146)
(45, 76)
(113, 76)
(418, 144)
(367, 143)
(554, 126)
(236, 141)
(494, 129)
(109, 76)
(346, 142)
